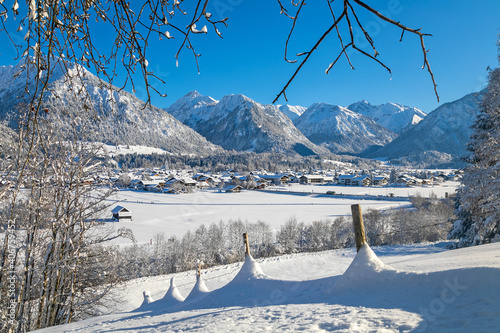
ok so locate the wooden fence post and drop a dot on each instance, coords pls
(247, 247)
(198, 271)
(359, 228)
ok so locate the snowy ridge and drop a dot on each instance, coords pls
(191, 108)
(368, 296)
(445, 131)
(119, 117)
(393, 116)
(292, 111)
(237, 122)
(341, 130)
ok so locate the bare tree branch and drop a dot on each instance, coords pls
(348, 9)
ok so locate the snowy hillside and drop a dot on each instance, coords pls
(239, 123)
(418, 288)
(119, 117)
(192, 108)
(293, 112)
(445, 131)
(341, 130)
(393, 116)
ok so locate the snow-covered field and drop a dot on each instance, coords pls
(417, 288)
(130, 149)
(425, 191)
(175, 214)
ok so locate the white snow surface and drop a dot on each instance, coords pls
(130, 149)
(175, 214)
(292, 111)
(411, 288)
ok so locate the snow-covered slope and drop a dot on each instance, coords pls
(292, 111)
(237, 122)
(118, 117)
(445, 131)
(192, 108)
(393, 116)
(341, 130)
(417, 288)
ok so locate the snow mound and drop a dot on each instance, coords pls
(147, 298)
(250, 270)
(199, 289)
(173, 295)
(366, 268)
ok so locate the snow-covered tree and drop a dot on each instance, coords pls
(479, 198)
(394, 176)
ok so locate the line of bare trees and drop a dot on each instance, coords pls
(220, 243)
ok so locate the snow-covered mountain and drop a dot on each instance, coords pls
(443, 132)
(342, 130)
(118, 117)
(292, 111)
(237, 122)
(393, 116)
(192, 108)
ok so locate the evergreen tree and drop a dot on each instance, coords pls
(479, 198)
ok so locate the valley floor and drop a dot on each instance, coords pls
(175, 214)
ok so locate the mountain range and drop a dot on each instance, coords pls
(393, 116)
(118, 117)
(238, 123)
(342, 130)
(197, 124)
(442, 135)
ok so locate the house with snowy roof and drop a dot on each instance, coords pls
(363, 180)
(233, 189)
(345, 179)
(380, 181)
(312, 179)
(276, 179)
(121, 213)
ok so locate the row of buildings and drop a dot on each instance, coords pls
(233, 182)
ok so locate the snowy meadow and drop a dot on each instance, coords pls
(175, 214)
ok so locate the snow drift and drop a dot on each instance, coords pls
(368, 296)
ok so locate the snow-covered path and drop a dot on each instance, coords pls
(424, 289)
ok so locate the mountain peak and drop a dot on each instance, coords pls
(340, 129)
(394, 116)
(192, 94)
(236, 99)
(292, 111)
(191, 107)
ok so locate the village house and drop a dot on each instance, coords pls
(121, 213)
(276, 179)
(345, 179)
(153, 185)
(363, 180)
(233, 189)
(380, 181)
(312, 179)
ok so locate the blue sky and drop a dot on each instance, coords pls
(249, 59)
